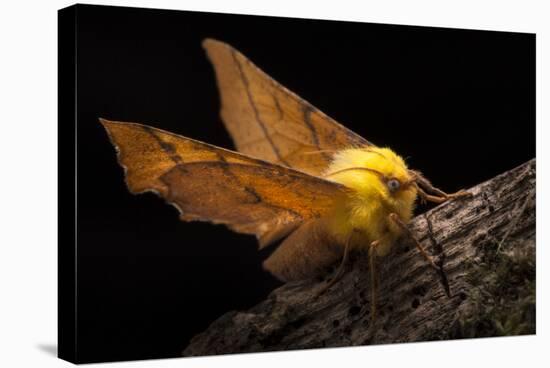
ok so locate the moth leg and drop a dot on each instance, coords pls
(441, 198)
(425, 197)
(372, 264)
(425, 187)
(396, 220)
(339, 272)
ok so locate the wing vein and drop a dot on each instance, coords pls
(256, 112)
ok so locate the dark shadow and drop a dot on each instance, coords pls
(48, 348)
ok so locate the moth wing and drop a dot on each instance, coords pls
(305, 253)
(268, 121)
(208, 183)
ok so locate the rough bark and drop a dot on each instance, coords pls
(486, 246)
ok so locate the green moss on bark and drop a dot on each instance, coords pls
(502, 293)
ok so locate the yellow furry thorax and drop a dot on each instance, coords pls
(361, 217)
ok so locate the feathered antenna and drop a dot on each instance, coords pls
(382, 176)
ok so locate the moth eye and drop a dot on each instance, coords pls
(393, 185)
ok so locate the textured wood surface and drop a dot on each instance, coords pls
(486, 246)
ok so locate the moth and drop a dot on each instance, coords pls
(298, 177)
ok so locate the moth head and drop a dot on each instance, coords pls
(374, 171)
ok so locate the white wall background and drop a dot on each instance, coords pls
(28, 181)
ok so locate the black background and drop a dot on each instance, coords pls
(458, 104)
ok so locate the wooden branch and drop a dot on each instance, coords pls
(483, 290)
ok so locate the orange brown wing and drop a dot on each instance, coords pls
(268, 121)
(209, 183)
